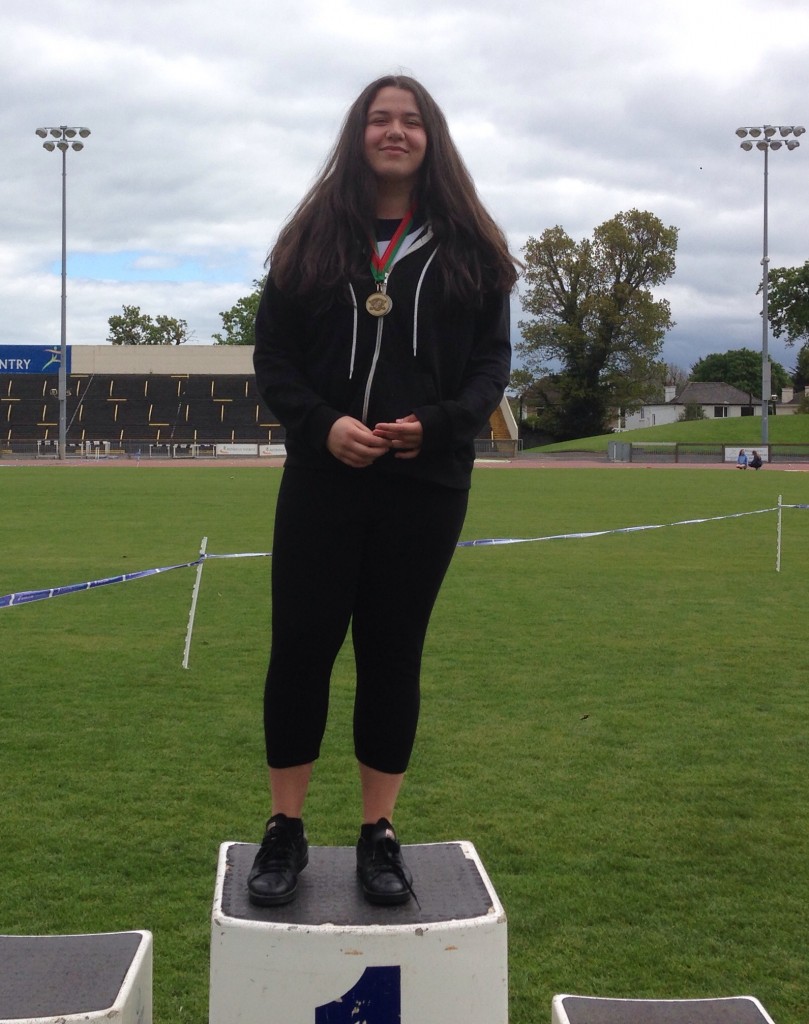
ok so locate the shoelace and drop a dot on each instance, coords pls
(276, 848)
(392, 859)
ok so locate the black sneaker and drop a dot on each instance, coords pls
(283, 854)
(382, 872)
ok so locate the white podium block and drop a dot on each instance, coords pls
(330, 957)
(65, 979)
(593, 1010)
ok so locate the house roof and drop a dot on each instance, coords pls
(713, 393)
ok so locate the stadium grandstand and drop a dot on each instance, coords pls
(153, 401)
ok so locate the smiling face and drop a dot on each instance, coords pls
(395, 139)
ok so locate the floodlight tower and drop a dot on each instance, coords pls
(65, 139)
(766, 140)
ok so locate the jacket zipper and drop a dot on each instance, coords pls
(378, 347)
(367, 398)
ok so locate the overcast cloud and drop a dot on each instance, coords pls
(209, 120)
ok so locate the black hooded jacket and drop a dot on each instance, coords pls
(444, 361)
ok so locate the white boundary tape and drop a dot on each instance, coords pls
(194, 595)
(31, 596)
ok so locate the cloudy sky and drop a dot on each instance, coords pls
(210, 119)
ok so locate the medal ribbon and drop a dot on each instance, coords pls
(380, 265)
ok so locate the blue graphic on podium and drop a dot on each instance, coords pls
(375, 999)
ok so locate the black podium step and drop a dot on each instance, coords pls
(60, 975)
(593, 1010)
(448, 885)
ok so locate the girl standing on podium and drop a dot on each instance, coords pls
(382, 346)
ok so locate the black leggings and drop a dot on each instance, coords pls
(365, 548)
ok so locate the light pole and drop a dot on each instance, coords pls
(765, 141)
(65, 139)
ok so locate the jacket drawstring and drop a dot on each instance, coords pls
(353, 333)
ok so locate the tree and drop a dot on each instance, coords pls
(519, 383)
(594, 313)
(788, 302)
(238, 321)
(135, 328)
(800, 375)
(168, 331)
(788, 312)
(665, 375)
(740, 367)
(691, 411)
(675, 376)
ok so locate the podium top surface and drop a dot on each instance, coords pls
(730, 1010)
(59, 975)
(448, 883)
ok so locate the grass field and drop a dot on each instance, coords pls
(619, 724)
(734, 430)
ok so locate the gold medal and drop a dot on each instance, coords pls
(379, 303)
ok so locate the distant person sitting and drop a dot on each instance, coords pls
(741, 460)
(755, 460)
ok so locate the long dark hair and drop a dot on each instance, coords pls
(325, 239)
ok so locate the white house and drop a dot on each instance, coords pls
(791, 400)
(718, 400)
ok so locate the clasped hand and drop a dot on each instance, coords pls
(358, 446)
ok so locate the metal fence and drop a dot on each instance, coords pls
(96, 451)
(689, 452)
(497, 449)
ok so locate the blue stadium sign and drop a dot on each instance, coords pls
(31, 359)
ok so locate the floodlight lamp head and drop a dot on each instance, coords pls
(785, 129)
(62, 145)
(55, 132)
(84, 132)
(762, 145)
(741, 132)
(769, 131)
(777, 144)
(49, 146)
(755, 132)
(792, 144)
(747, 145)
(42, 133)
(80, 145)
(70, 133)
(798, 130)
